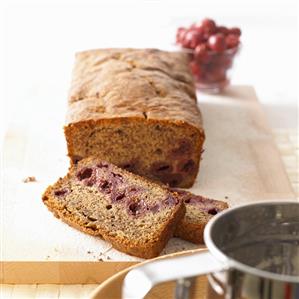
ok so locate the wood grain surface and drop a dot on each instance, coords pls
(241, 164)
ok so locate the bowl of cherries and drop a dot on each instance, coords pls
(211, 49)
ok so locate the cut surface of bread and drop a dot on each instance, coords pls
(136, 108)
(136, 216)
(199, 210)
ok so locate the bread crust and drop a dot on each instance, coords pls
(96, 92)
(191, 227)
(192, 232)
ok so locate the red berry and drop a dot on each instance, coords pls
(198, 27)
(180, 34)
(222, 29)
(186, 39)
(201, 32)
(195, 68)
(192, 26)
(232, 41)
(206, 36)
(192, 38)
(217, 43)
(208, 25)
(199, 38)
(216, 74)
(236, 31)
(225, 61)
(201, 53)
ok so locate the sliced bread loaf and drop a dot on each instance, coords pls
(199, 210)
(136, 216)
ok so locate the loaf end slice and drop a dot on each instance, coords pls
(136, 216)
(199, 210)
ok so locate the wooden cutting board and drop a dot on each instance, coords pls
(241, 164)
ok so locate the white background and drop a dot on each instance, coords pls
(41, 37)
(39, 40)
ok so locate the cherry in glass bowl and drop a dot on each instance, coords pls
(212, 70)
(211, 50)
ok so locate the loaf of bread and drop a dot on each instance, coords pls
(137, 109)
(199, 210)
(136, 216)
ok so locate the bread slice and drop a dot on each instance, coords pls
(136, 216)
(199, 210)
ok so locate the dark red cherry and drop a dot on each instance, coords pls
(84, 173)
(180, 34)
(195, 68)
(192, 39)
(222, 29)
(217, 42)
(208, 25)
(236, 31)
(232, 41)
(216, 74)
(201, 53)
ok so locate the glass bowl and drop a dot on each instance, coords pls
(212, 70)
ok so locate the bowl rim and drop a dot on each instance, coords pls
(229, 51)
(234, 264)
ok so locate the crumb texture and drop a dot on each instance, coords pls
(29, 179)
(134, 215)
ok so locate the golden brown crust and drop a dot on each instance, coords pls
(113, 83)
(105, 85)
(192, 232)
(135, 247)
